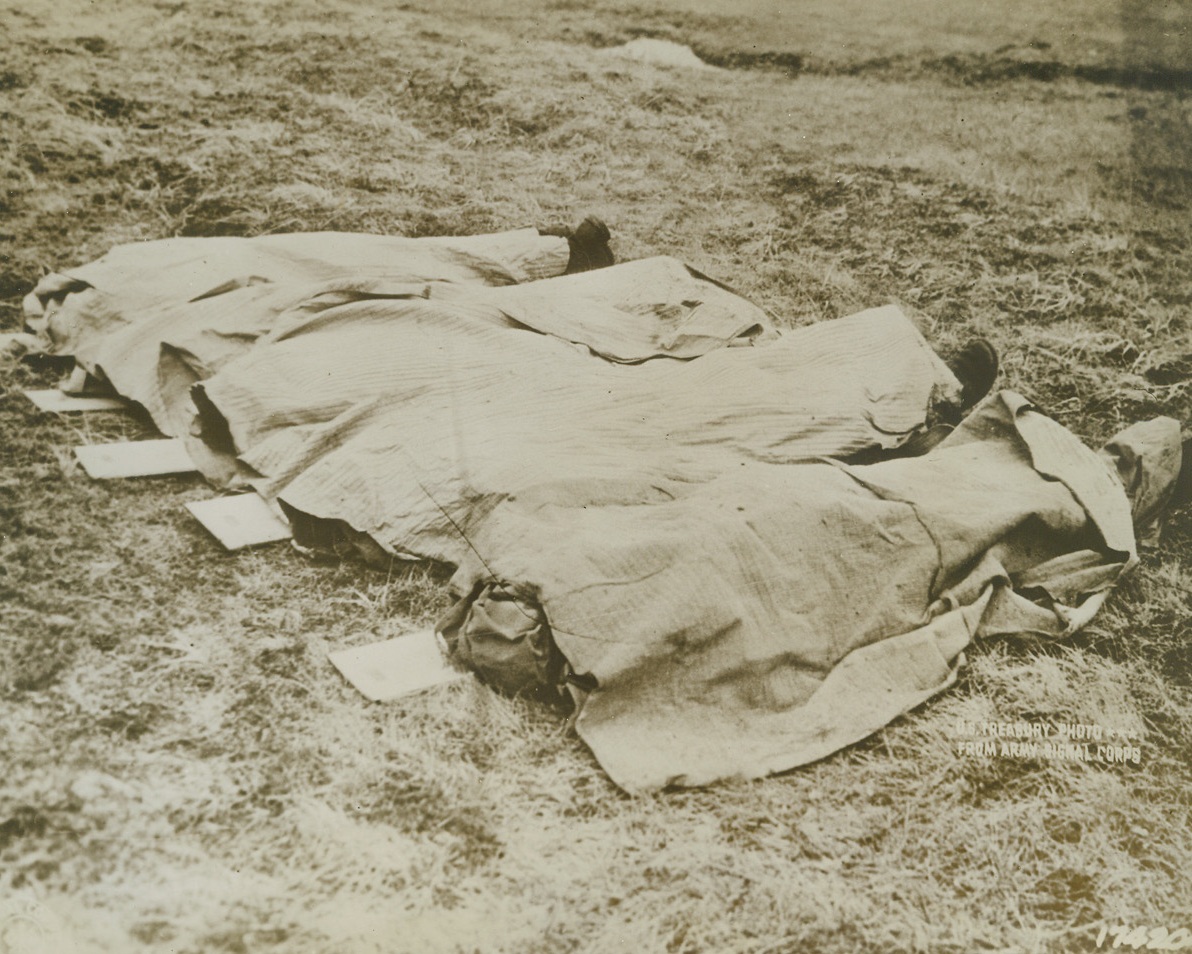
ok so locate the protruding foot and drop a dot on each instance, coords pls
(589, 245)
(975, 366)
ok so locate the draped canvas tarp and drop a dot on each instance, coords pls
(151, 318)
(410, 420)
(635, 452)
(780, 612)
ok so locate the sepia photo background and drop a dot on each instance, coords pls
(184, 771)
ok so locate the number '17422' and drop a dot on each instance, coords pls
(1140, 938)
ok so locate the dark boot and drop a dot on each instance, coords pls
(975, 366)
(1181, 494)
(589, 245)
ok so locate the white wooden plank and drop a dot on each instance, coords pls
(396, 667)
(135, 459)
(59, 402)
(243, 520)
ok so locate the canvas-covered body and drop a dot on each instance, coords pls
(781, 612)
(638, 456)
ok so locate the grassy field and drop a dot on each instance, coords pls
(183, 769)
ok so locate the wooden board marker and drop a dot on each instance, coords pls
(243, 520)
(396, 667)
(135, 459)
(59, 402)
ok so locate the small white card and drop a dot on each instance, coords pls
(396, 667)
(243, 520)
(135, 459)
(59, 402)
